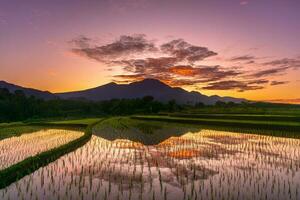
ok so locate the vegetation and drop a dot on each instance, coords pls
(30, 164)
(265, 127)
(31, 144)
(86, 121)
(251, 117)
(146, 132)
(256, 108)
(203, 165)
(18, 107)
(17, 130)
(142, 122)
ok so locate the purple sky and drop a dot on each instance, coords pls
(35, 47)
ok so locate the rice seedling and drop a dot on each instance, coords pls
(31, 144)
(203, 165)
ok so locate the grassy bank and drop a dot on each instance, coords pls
(251, 117)
(84, 122)
(18, 128)
(11, 131)
(30, 164)
(273, 128)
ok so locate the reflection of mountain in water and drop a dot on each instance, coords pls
(139, 131)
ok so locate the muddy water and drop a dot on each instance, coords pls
(203, 165)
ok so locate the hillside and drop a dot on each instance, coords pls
(147, 87)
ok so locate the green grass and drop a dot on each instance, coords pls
(86, 121)
(251, 117)
(267, 109)
(274, 128)
(3, 125)
(6, 132)
(18, 128)
(241, 120)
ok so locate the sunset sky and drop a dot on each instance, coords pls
(248, 49)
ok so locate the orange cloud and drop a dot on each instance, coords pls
(183, 70)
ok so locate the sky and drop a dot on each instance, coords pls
(239, 48)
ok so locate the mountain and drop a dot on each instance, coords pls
(152, 87)
(28, 91)
(147, 87)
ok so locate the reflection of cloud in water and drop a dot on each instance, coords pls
(203, 165)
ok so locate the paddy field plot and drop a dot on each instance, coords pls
(197, 165)
(16, 149)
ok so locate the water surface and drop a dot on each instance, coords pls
(203, 165)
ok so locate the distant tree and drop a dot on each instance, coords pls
(199, 105)
(172, 105)
(220, 104)
(148, 99)
(231, 104)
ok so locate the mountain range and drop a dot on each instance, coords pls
(147, 87)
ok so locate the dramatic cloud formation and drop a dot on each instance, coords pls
(184, 51)
(204, 73)
(124, 46)
(148, 65)
(178, 63)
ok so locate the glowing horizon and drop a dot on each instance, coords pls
(242, 49)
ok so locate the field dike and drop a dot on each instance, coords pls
(290, 130)
(31, 164)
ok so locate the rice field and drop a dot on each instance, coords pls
(16, 149)
(202, 165)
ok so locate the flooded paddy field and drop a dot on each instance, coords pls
(201, 165)
(16, 149)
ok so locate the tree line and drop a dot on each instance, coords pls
(17, 107)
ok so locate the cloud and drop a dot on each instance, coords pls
(285, 62)
(243, 58)
(124, 46)
(279, 82)
(232, 85)
(178, 63)
(259, 81)
(148, 65)
(209, 73)
(185, 51)
(268, 72)
(81, 41)
(163, 67)
(250, 62)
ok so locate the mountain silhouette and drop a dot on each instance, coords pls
(147, 87)
(28, 91)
